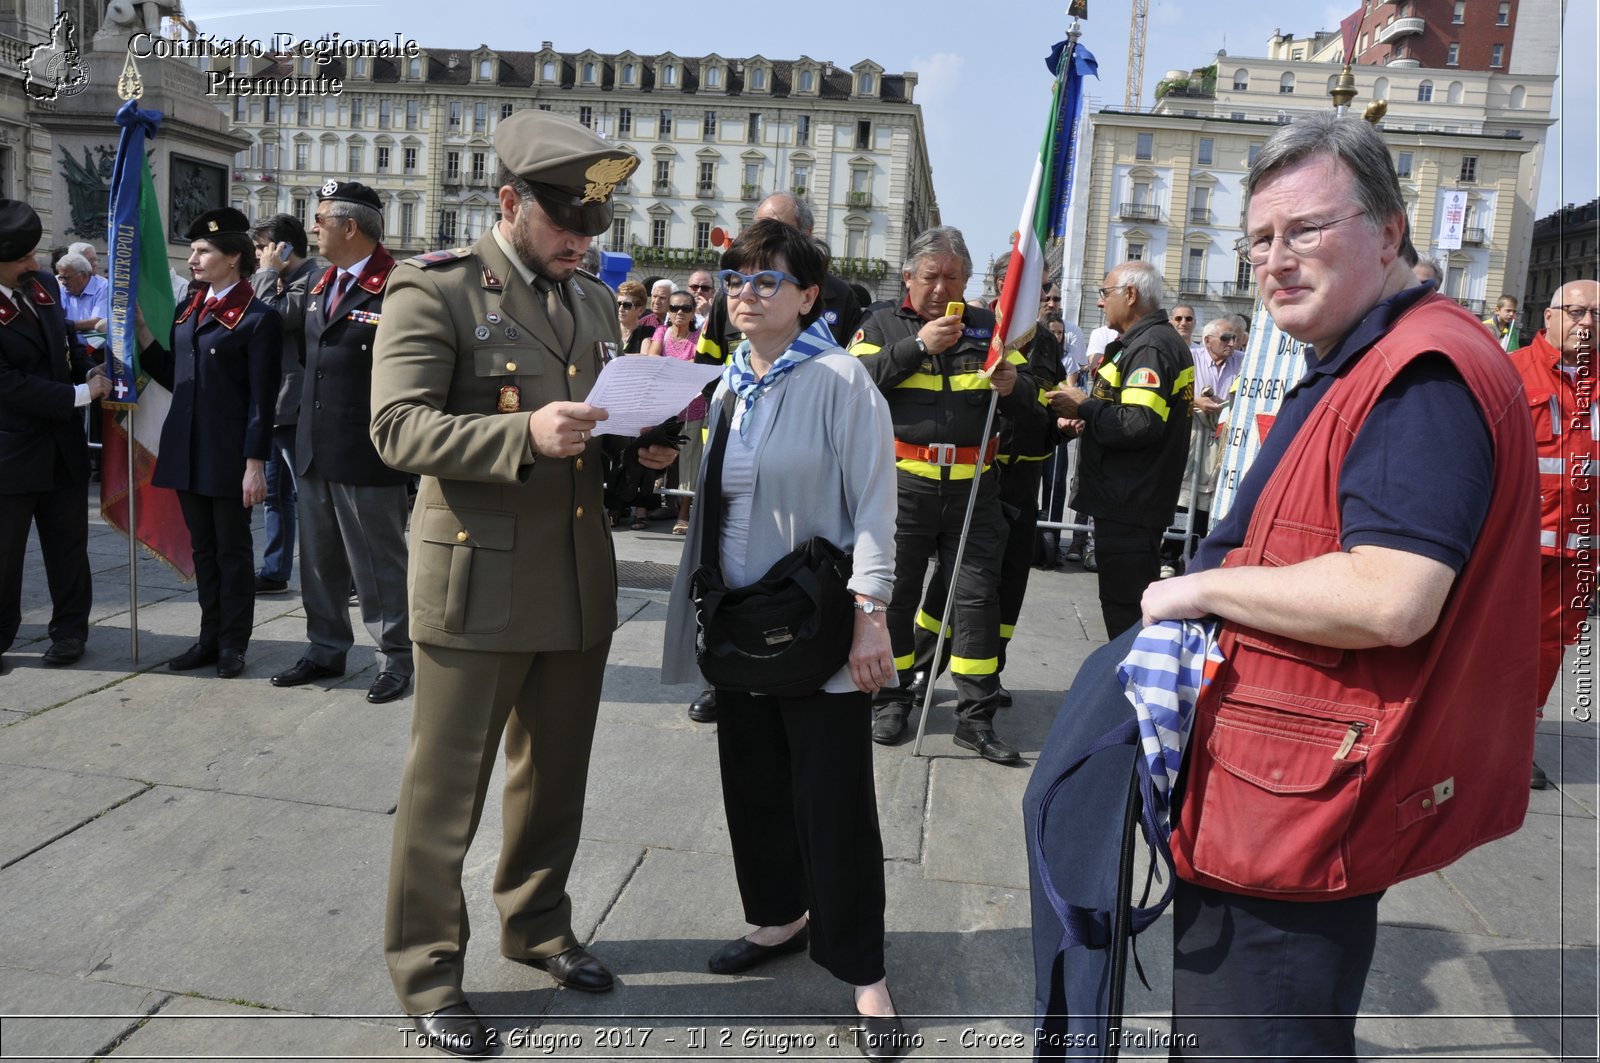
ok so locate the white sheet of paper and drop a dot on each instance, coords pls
(640, 391)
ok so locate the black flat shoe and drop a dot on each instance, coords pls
(576, 968)
(887, 727)
(703, 709)
(387, 687)
(304, 671)
(63, 651)
(230, 663)
(882, 1037)
(196, 656)
(742, 955)
(456, 1029)
(987, 746)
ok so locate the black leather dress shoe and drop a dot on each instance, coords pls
(196, 656)
(988, 747)
(1002, 697)
(576, 968)
(304, 671)
(703, 709)
(882, 1037)
(1539, 780)
(271, 586)
(229, 663)
(741, 954)
(387, 687)
(888, 726)
(456, 1029)
(64, 651)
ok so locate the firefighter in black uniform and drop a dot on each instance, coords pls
(718, 338)
(1134, 439)
(929, 366)
(1027, 440)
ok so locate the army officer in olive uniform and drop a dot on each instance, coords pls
(483, 359)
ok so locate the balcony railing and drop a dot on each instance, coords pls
(750, 192)
(707, 190)
(1199, 215)
(1192, 285)
(1235, 290)
(663, 188)
(1139, 212)
(1473, 236)
(859, 199)
(1401, 27)
(1404, 62)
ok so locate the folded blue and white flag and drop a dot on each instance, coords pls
(1170, 663)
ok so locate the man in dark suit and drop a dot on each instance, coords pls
(45, 381)
(353, 507)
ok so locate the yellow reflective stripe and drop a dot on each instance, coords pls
(710, 347)
(1110, 374)
(1185, 380)
(862, 348)
(974, 665)
(1015, 358)
(931, 623)
(901, 664)
(1146, 397)
(923, 382)
(1007, 630)
(1044, 397)
(1009, 458)
(968, 382)
(932, 472)
(705, 433)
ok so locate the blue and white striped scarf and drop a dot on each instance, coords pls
(741, 380)
(1170, 663)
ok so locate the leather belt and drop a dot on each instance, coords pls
(946, 454)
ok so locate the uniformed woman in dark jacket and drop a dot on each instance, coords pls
(222, 365)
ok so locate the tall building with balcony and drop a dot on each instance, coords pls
(1566, 247)
(715, 134)
(1168, 186)
(1506, 36)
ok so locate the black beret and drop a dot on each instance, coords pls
(216, 222)
(20, 229)
(571, 170)
(350, 192)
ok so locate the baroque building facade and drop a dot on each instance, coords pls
(714, 135)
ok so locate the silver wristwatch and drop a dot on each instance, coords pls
(870, 607)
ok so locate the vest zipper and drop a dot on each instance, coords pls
(1350, 738)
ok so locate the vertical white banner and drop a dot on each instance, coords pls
(1452, 220)
(1273, 362)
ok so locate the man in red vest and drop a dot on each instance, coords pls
(1557, 371)
(1367, 726)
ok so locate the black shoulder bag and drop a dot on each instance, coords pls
(784, 635)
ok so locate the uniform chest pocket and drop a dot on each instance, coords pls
(1545, 426)
(505, 360)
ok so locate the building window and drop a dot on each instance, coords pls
(385, 113)
(1286, 85)
(302, 111)
(353, 159)
(1497, 55)
(383, 160)
(455, 116)
(864, 87)
(360, 68)
(802, 179)
(1241, 81)
(452, 166)
(1204, 155)
(708, 175)
(619, 234)
(856, 243)
(658, 232)
(271, 114)
(1502, 15)
(357, 113)
(1459, 14)
(714, 77)
(1253, 153)
(702, 236)
(505, 110)
(669, 76)
(413, 113)
(624, 121)
(708, 126)
(1452, 55)
(1196, 267)
(802, 130)
(409, 160)
(753, 128)
(1469, 168)
(480, 117)
(588, 73)
(663, 172)
(302, 156)
(1146, 146)
(863, 136)
(664, 123)
(1402, 166)
(447, 226)
(808, 80)
(1135, 252)
(547, 72)
(480, 167)
(1243, 273)
(627, 73)
(1237, 116)
(586, 116)
(1425, 92)
(414, 69)
(408, 223)
(752, 174)
(485, 66)
(299, 210)
(758, 79)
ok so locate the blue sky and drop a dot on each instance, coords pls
(983, 86)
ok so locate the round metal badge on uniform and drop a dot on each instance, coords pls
(512, 333)
(482, 332)
(492, 317)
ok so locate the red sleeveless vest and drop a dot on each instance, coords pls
(1318, 773)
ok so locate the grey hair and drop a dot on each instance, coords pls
(82, 247)
(1144, 279)
(805, 218)
(1352, 141)
(1216, 326)
(940, 240)
(369, 223)
(1429, 263)
(671, 287)
(75, 262)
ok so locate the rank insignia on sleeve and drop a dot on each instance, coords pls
(1144, 377)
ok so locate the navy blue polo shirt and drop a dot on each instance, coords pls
(1419, 473)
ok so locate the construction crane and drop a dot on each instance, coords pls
(1133, 93)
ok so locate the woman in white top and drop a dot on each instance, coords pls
(809, 452)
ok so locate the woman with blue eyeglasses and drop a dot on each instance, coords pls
(809, 451)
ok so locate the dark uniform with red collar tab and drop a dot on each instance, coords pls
(44, 461)
(223, 373)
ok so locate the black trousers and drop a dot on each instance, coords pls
(1130, 560)
(224, 568)
(803, 819)
(62, 516)
(1265, 979)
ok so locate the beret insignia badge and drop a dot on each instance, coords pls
(604, 176)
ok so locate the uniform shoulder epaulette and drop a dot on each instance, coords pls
(434, 258)
(592, 276)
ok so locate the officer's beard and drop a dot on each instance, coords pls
(522, 244)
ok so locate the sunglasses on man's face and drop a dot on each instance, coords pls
(700, 287)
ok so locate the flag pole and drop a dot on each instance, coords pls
(946, 623)
(133, 545)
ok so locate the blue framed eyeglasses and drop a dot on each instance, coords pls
(765, 284)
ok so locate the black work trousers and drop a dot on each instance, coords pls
(62, 516)
(224, 568)
(803, 819)
(1130, 560)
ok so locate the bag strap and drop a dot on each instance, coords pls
(710, 500)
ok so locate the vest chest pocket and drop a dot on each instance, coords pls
(464, 570)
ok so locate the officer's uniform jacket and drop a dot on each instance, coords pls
(40, 361)
(223, 374)
(508, 554)
(334, 438)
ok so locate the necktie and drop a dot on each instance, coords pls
(555, 309)
(205, 311)
(339, 291)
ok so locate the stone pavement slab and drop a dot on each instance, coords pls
(43, 804)
(52, 1016)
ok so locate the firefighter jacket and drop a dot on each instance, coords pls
(1135, 440)
(1315, 773)
(937, 399)
(1561, 408)
(1032, 436)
